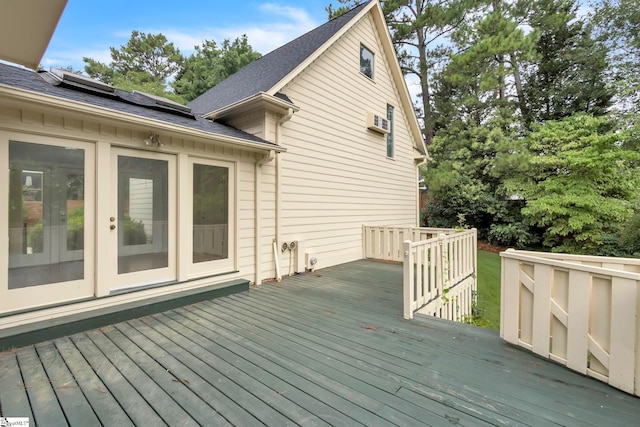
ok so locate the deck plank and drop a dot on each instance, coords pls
(235, 394)
(105, 406)
(352, 379)
(14, 401)
(346, 365)
(75, 406)
(138, 410)
(157, 397)
(268, 400)
(229, 410)
(324, 401)
(324, 348)
(177, 389)
(44, 403)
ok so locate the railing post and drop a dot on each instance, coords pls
(510, 300)
(407, 282)
(444, 262)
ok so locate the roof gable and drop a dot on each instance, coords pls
(263, 74)
(272, 72)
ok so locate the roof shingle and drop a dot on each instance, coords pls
(124, 102)
(262, 74)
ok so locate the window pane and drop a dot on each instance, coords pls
(143, 210)
(210, 213)
(366, 61)
(46, 214)
(390, 134)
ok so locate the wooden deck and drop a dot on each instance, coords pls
(325, 348)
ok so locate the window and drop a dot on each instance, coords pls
(390, 134)
(213, 217)
(366, 62)
(210, 213)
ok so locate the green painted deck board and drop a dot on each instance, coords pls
(224, 385)
(321, 401)
(105, 406)
(325, 348)
(14, 401)
(231, 413)
(269, 402)
(335, 365)
(75, 406)
(177, 389)
(117, 385)
(155, 396)
(44, 403)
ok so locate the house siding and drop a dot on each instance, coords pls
(335, 175)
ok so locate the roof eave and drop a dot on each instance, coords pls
(260, 100)
(26, 28)
(55, 103)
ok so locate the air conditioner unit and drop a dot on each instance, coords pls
(377, 123)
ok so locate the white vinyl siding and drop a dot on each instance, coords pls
(335, 174)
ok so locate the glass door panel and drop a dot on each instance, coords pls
(46, 214)
(144, 196)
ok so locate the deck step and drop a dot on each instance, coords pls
(33, 333)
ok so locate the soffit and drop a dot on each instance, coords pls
(26, 27)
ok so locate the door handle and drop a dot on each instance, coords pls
(112, 227)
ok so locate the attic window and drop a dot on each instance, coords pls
(366, 61)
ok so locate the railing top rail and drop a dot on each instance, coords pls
(426, 229)
(587, 258)
(534, 257)
(460, 233)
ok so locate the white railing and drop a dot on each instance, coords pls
(582, 312)
(386, 243)
(439, 267)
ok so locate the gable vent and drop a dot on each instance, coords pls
(377, 123)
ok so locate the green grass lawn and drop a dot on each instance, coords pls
(489, 290)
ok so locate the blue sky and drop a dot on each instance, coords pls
(88, 28)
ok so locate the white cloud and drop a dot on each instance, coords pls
(277, 24)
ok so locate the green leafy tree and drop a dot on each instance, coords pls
(419, 30)
(617, 25)
(579, 181)
(569, 76)
(464, 186)
(145, 56)
(483, 77)
(144, 63)
(211, 64)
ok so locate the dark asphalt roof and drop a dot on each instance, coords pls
(120, 101)
(262, 74)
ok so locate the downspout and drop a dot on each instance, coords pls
(258, 209)
(278, 239)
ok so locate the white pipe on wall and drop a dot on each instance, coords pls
(258, 214)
